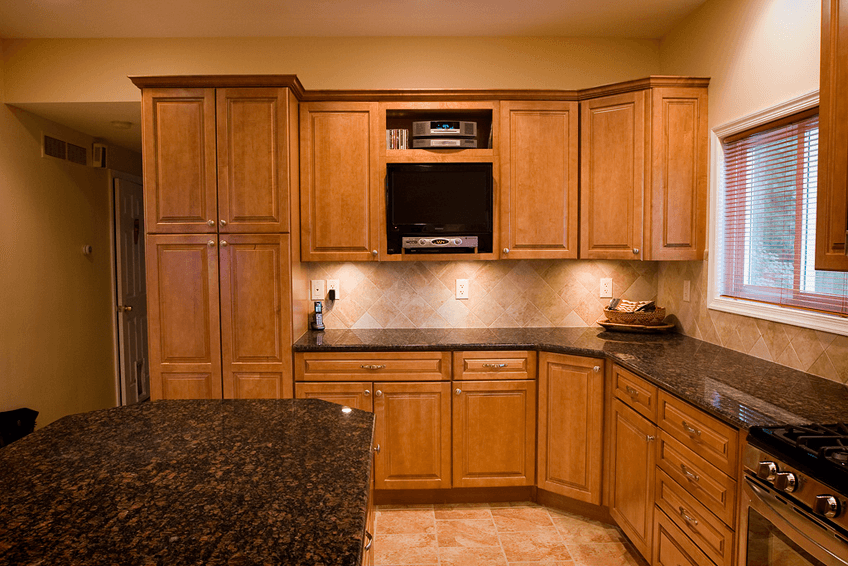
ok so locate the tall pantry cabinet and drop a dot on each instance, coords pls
(219, 164)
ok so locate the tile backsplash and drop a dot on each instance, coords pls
(502, 293)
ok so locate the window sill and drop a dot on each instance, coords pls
(805, 319)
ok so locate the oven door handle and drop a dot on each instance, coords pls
(782, 515)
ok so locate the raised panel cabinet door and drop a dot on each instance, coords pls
(494, 433)
(632, 465)
(354, 395)
(340, 185)
(571, 417)
(253, 164)
(178, 145)
(612, 176)
(676, 202)
(832, 201)
(413, 431)
(256, 316)
(539, 171)
(183, 325)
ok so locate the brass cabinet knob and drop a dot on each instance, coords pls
(374, 253)
(636, 251)
(378, 393)
(596, 369)
(367, 392)
(211, 243)
(506, 250)
(223, 222)
(124, 308)
(210, 223)
(458, 391)
(224, 243)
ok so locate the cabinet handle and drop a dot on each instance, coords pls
(224, 243)
(124, 308)
(688, 518)
(650, 438)
(635, 251)
(691, 476)
(496, 366)
(376, 449)
(632, 392)
(374, 253)
(223, 222)
(372, 366)
(691, 429)
(596, 369)
(211, 243)
(378, 393)
(367, 392)
(506, 250)
(370, 538)
(458, 391)
(210, 223)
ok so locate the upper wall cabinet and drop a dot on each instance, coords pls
(340, 184)
(832, 211)
(246, 190)
(644, 158)
(538, 196)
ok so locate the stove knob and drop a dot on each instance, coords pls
(766, 471)
(786, 481)
(826, 505)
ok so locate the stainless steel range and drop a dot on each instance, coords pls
(795, 496)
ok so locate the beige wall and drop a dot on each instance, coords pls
(88, 70)
(759, 53)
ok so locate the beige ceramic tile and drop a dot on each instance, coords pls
(405, 549)
(522, 519)
(466, 532)
(535, 546)
(454, 512)
(577, 530)
(603, 554)
(480, 556)
(405, 521)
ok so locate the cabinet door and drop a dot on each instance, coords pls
(356, 395)
(183, 325)
(252, 159)
(339, 181)
(539, 180)
(494, 433)
(179, 160)
(676, 202)
(571, 408)
(632, 463)
(832, 201)
(413, 430)
(612, 176)
(256, 316)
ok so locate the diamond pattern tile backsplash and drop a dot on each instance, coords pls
(501, 293)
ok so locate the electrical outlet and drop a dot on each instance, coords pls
(686, 291)
(333, 285)
(462, 288)
(317, 288)
(606, 287)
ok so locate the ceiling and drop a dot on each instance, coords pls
(641, 19)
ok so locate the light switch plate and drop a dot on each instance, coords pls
(333, 285)
(317, 290)
(606, 287)
(462, 288)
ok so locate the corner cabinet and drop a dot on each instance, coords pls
(643, 167)
(340, 192)
(832, 212)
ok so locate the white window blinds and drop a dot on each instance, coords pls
(767, 226)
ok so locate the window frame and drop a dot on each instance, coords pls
(776, 313)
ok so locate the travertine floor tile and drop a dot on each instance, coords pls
(534, 546)
(603, 554)
(404, 521)
(467, 533)
(521, 519)
(490, 556)
(576, 530)
(405, 549)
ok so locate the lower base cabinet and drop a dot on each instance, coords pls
(673, 548)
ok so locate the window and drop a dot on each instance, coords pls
(766, 220)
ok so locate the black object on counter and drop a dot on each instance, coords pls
(16, 424)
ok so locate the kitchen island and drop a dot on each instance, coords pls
(235, 482)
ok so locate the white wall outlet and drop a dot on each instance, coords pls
(462, 288)
(317, 290)
(606, 287)
(333, 285)
(686, 291)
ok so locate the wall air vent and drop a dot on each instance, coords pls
(77, 154)
(54, 147)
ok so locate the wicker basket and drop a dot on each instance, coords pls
(647, 318)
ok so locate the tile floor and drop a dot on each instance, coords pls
(496, 534)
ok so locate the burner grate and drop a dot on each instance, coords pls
(825, 441)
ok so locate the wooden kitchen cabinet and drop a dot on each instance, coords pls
(197, 353)
(832, 200)
(571, 417)
(413, 431)
(494, 433)
(643, 167)
(356, 395)
(632, 464)
(340, 187)
(539, 168)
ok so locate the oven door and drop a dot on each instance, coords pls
(776, 532)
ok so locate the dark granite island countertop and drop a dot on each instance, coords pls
(235, 482)
(742, 390)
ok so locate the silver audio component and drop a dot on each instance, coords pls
(440, 242)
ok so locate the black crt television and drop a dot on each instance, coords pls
(439, 200)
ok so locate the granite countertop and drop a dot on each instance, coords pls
(236, 482)
(742, 390)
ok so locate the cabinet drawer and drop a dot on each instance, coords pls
(350, 393)
(372, 366)
(705, 435)
(635, 392)
(709, 485)
(672, 547)
(494, 365)
(711, 535)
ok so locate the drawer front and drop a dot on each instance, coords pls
(705, 435)
(353, 394)
(711, 535)
(672, 547)
(372, 366)
(706, 483)
(494, 365)
(635, 392)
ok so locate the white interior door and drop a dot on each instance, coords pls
(131, 292)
